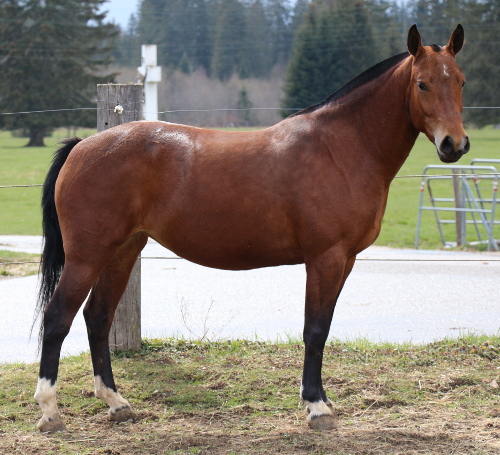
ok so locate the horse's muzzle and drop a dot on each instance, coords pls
(448, 152)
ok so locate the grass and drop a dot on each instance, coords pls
(21, 165)
(241, 397)
(10, 267)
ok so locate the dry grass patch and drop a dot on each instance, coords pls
(15, 265)
(241, 397)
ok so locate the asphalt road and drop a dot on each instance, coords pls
(390, 300)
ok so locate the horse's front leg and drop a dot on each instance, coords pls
(326, 275)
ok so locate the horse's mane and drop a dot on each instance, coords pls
(360, 80)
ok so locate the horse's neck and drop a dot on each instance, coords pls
(376, 121)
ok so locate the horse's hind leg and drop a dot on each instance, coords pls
(74, 285)
(99, 312)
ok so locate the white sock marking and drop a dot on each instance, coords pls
(318, 408)
(113, 399)
(45, 396)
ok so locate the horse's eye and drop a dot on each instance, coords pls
(422, 86)
(463, 84)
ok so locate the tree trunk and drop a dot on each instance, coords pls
(36, 137)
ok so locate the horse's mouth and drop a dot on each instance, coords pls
(447, 152)
(449, 158)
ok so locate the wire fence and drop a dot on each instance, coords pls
(482, 260)
(116, 104)
(192, 110)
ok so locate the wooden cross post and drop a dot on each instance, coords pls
(151, 73)
(117, 104)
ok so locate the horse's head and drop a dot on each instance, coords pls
(435, 94)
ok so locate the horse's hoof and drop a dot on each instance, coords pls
(321, 415)
(322, 422)
(122, 415)
(51, 424)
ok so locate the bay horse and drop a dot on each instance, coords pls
(311, 189)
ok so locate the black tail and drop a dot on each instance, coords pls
(52, 261)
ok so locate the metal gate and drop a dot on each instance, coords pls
(473, 200)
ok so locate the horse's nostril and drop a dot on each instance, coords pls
(447, 145)
(467, 144)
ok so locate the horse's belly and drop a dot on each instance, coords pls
(240, 261)
(231, 247)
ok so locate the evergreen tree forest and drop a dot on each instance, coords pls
(52, 53)
(322, 43)
(222, 36)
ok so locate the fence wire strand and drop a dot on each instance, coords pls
(21, 186)
(396, 177)
(173, 111)
(483, 260)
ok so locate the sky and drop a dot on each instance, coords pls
(119, 11)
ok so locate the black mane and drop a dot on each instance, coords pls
(360, 80)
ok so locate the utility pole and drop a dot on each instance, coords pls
(151, 74)
(117, 104)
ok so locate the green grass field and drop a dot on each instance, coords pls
(21, 212)
(19, 165)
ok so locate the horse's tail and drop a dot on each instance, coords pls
(52, 260)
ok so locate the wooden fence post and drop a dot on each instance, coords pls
(117, 104)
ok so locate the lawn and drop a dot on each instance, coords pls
(21, 165)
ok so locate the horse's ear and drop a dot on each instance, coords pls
(414, 40)
(456, 40)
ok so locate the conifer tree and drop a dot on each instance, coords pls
(334, 44)
(279, 13)
(245, 114)
(229, 44)
(480, 62)
(49, 59)
(185, 30)
(257, 56)
(128, 48)
(151, 21)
